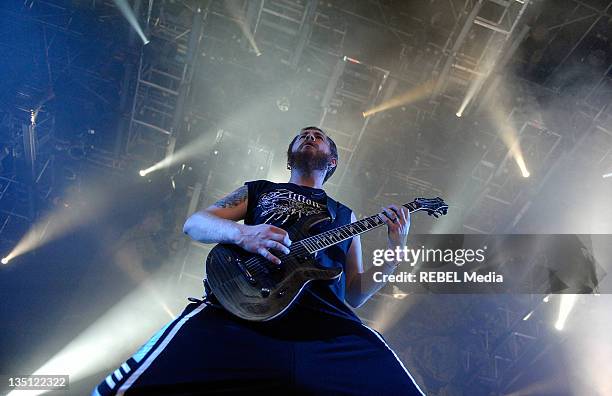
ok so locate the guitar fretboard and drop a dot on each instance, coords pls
(331, 237)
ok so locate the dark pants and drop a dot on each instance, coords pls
(207, 350)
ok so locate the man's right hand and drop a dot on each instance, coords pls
(263, 237)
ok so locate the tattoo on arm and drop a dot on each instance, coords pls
(233, 199)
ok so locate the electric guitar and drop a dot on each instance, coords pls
(252, 288)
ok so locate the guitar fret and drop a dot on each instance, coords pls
(314, 244)
(342, 233)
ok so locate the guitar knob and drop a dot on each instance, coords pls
(265, 292)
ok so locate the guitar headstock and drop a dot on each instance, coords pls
(433, 206)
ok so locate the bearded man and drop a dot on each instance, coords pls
(319, 346)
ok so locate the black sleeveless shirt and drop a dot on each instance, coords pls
(281, 205)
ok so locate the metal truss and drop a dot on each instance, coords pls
(508, 341)
(163, 81)
(28, 180)
(496, 177)
(467, 65)
(27, 176)
(352, 88)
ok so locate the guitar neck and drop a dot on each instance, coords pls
(336, 235)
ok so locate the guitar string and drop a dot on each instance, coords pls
(256, 261)
(256, 267)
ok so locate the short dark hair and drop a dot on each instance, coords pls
(332, 148)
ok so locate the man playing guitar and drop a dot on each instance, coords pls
(319, 346)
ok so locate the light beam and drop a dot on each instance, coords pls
(411, 96)
(127, 12)
(565, 307)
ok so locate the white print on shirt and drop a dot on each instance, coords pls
(281, 205)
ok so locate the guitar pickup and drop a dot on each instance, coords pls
(246, 272)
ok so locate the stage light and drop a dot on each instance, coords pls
(565, 307)
(526, 317)
(127, 12)
(414, 95)
(458, 114)
(240, 18)
(509, 135)
(193, 149)
(607, 175)
(352, 60)
(283, 104)
(94, 199)
(398, 293)
(5, 260)
(546, 299)
(115, 332)
(392, 307)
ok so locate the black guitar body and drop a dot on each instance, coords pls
(252, 287)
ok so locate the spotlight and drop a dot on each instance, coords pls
(411, 96)
(458, 114)
(352, 60)
(129, 15)
(546, 299)
(526, 317)
(607, 175)
(518, 157)
(142, 172)
(283, 104)
(398, 293)
(565, 307)
(4, 260)
(258, 54)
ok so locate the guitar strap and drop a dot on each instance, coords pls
(332, 208)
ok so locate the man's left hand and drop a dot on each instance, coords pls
(398, 224)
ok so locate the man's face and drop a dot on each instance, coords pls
(311, 151)
(311, 140)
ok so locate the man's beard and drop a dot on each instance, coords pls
(307, 162)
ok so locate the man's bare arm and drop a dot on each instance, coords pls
(218, 224)
(360, 284)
